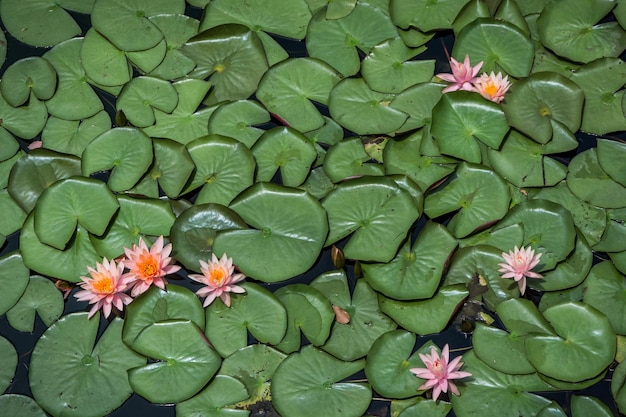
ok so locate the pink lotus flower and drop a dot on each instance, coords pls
(105, 288)
(519, 263)
(218, 277)
(492, 87)
(439, 372)
(463, 75)
(147, 267)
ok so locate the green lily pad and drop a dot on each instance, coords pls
(41, 297)
(141, 95)
(572, 30)
(289, 227)
(25, 121)
(6, 167)
(62, 207)
(358, 108)
(126, 24)
(74, 98)
(548, 228)
(480, 196)
(224, 168)
(588, 181)
(619, 260)
(604, 289)
(69, 264)
(376, 233)
(185, 362)
(462, 120)
(583, 405)
(147, 60)
(335, 41)
(425, 15)
(19, 405)
(425, 316)
(187, 122)
(73, 136)
(503, 351)
(215, 399)
(8, 145)
(610, 153)
(574, 354)
(470, 12)
(125, 150)
(38, 23)
(287, 89)
(503, 239)
(388, 364)
(389, 67)
(253, 365)
(534, 103)
(35, 172)
(569, 273)
(287, 18)
(80, 367)
(25, 75)
(195, 229)
(237, 120)
(416, 270)
(418, 102)
(8, 360)
(177, 29)
(173, 166)
(227, 327)
(423, 407)
(136, 217)
(103, 62)
(157, 305)
(602, 81)
(348, 158)
(287, 150)
(231, 57)
(13, 215)
(352, 340)
(613, 234)
(309, 380)
(309, 312)
(500, 45)
(617, 385)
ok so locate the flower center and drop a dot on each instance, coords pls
(438, 368)
(217, 276)
(490, 89)
(103, 284)
(148, 267)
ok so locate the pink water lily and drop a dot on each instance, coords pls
(105, 288)
(519, 263)
(440, 372)
(493, 86)
(463, 75)
(147, 267)
(219, 278)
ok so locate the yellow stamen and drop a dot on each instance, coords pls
(103, 284)
(217, 276)
(148, 267)
(490, 89)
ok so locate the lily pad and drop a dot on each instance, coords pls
(588, 181)
(195, 229)
(416, 270)
(103, 62)
(172, 167)
(41, 297)
(215, 399)
(574, 354)
(238, 119)
(19, 405)
(605, 289)
(572, 30)
(287, 150)
(289, 227)
(583, 405)
(309, 380)
(425, 15)
(223, 168)
(8, 360)
(28, 74)
(177, 29)
(379, 221)
(227, 327)
(617, 385)
(612, 239)
(287, 90)
(81, 366)
(141, 95)
(480, 196)
(126, 24)
(125, 150)
(231, 57)
(503, 351)
(62, 207)
(13, 215)
(425, 316)
(609, 153)
(354, 339)
(335, 41)
(348, 158)
(73, 136)
(418, 102)
(185, 362)
(26, 121)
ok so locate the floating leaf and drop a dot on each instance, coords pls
(289, 227)
(237, 120)
(604, 289)
(28, 74)
(609, 154)
(14, 277)
(81, 367)
(309, 380)
(8, 364)
(12, 214)
(213, 401)
(25, 121)
(73, 136)
(613, 234)
(583, 405)
(424, 15)
(184, 364)
(103, 62)
(416, 270)
(172, 166)
(379, 221)
(227, 327)
(588, 181)
(141, 95)
(348, 158)
(177, 29)
(41, 297)
(19, 405)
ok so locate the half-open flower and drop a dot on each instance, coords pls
(439, 372)
(493, 86)
(519, 263)
(147, 267)
(105, 288)
(219, 278)
(463, 75)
